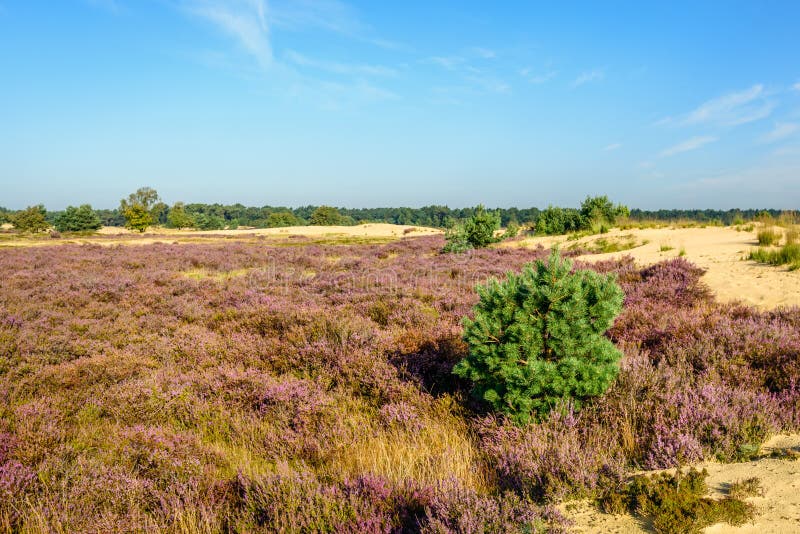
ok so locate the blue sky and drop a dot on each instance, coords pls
(281, 102)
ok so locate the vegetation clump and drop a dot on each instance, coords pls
(675, 503)
(788, 254)
(767, 237)
(80, 219)
(31, 220)
(476, 232)
(138, 208)
(596, 214)
(536, 339)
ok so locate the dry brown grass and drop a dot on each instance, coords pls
(440, 449)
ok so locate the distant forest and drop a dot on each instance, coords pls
(435, 216)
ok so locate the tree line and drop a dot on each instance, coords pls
(145, 208)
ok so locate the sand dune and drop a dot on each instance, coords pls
(719, 250)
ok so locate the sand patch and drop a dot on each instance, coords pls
(719, 250)
(777, 511)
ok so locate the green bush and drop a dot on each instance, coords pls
(476, 232)
(79, 219)
(675, 503)
(178, 217)
(536, 339)
(31, 219)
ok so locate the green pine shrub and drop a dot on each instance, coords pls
(476, 232)
(536, 339)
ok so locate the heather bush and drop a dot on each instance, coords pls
(158, 387)
(536, 339)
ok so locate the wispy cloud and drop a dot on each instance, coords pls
(588, 76)
(796, 86)
(690, 144)
(612, 147)
(330, 15)
(731, 109)
(779, 132)
(483, 53)
(537, 78)
(243, 20)
(340, 68)
(446, 62)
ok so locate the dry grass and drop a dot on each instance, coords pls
(439, 449)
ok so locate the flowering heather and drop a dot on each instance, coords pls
(232, 387)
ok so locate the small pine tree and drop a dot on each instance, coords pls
(476, 232)
(479, 229)
(536, 339)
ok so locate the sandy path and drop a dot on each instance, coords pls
(777, 511)
(719, 250)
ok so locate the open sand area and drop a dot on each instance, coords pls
(113, 235)
(777, 510)
(719, 250)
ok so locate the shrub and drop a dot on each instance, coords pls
(328, 216)
(599, 212)
(178, 217)
(79, 219)
(31, 219)
(479, 229)
(278, 219)
(555, 221)
(536, 338)
(675, 503)
(477, 232)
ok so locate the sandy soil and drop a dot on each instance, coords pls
(777, 511)
(107, 234)
(361, 230)
(719, 250)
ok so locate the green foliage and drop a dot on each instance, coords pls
(788, 254)
(328, 216)
(205, 221)
(768, 236)
(597, 214)
(556, 221)
(178, 217)
(536, 339)
(31, 220)
(282, 218)
(476, 232)
(675, 503)
(479, 229)
(456, 241)
(137, 208)
(749, 487)
(80, 219)
(512, 230)
(160, 212)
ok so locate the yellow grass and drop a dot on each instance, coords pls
(441, 449)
